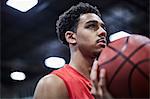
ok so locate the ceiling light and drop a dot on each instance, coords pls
(22, 5)
(118, 35)
(17, 75)
(54, 62)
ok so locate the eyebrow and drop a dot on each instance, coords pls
(94, 21)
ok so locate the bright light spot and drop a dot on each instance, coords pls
(54, 62)
(22, 5)
(17, 75)
(118, 35)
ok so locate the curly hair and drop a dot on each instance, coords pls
(68, 21)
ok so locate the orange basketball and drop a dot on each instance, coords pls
(127, 64)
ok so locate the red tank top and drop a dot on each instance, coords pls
(77, 85)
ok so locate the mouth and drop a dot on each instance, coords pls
(101, 42)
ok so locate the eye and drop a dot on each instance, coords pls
(103, 26)
(92, 26)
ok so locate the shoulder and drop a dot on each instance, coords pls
(51, 87)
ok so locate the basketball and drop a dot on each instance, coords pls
(127, 64)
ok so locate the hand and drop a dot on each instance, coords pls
(99, 89)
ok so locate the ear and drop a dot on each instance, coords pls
(70, 37)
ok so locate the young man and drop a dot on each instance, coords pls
(83, 31)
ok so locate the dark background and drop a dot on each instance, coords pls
(29, 38)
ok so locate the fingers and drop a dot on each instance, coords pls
(102, 90)
(94, 77)
(102, 77)
(94, 70)
(101, 84)
(98, 78)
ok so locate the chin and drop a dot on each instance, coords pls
(100, 50)
(97, 53)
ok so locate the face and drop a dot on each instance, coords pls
(91, 35)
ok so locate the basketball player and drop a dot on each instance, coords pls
(83, 31)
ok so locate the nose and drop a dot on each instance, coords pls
(102, 32)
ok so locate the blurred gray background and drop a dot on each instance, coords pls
(29, 38)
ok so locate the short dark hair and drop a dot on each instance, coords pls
(68, 21)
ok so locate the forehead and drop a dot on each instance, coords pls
(89, 17)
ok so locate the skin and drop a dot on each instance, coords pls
(84, 50)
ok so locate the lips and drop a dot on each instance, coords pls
(101, 42)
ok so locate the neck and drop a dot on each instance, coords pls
(81, 63)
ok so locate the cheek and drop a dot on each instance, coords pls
(86, 37)
(87, 40)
